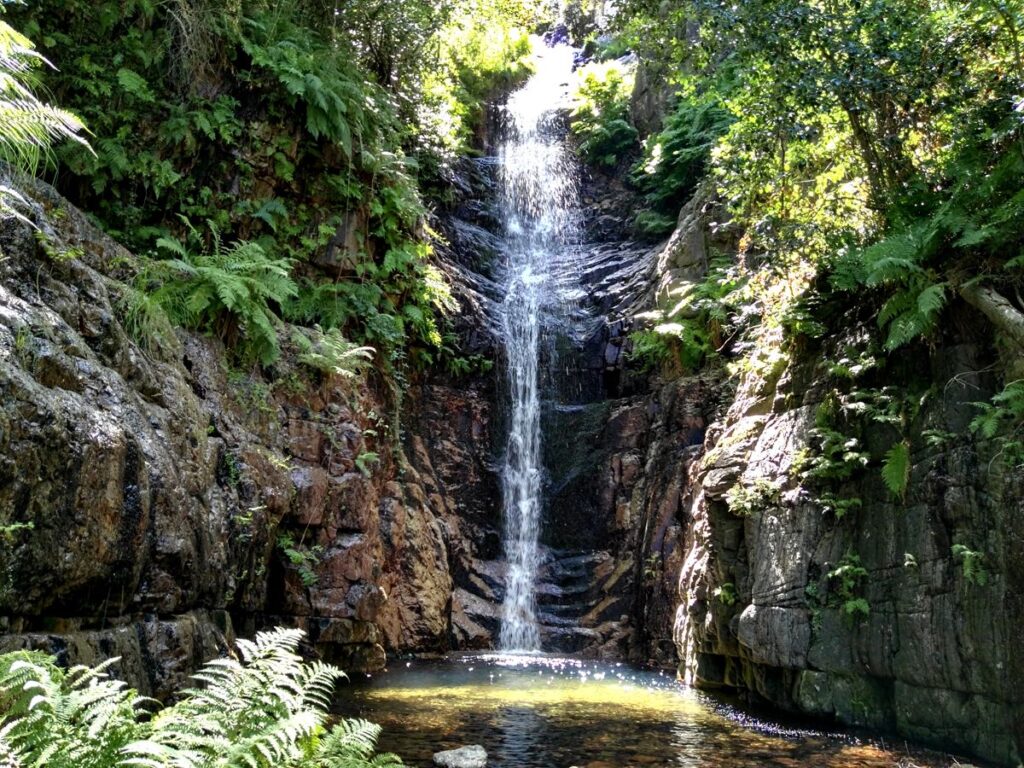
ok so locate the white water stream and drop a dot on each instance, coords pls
(538, 199)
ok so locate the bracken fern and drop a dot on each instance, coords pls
(267, 709)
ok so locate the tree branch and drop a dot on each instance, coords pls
(996, 308)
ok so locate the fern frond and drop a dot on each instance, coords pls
(265, 711)
(329, 352)
(28, 127)
(896, 469)
(931, 300)
(350, 744)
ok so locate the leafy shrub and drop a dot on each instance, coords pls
(480, 55)
(600, 119)
(231, 290)
(269, 710)
(262, 120)
(675, 160)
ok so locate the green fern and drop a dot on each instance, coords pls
(75, 719)
(896, 469)
(1002, 420)
(329, 352)
(921, 262)
(230, 287)
(9, 756)
(28, 126)
(338, 107)
(971, 563)
(351, 743)
(267, 709)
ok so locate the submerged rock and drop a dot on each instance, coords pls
(464, 757)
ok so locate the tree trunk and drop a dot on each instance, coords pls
(1006, 318)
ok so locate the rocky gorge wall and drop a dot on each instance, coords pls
(872, 616)
(174, 501)
(155, 500)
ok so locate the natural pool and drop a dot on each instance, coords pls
(544, 712)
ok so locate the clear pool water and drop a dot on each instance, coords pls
(544, 712)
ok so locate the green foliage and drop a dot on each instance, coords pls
(600, 119)
(481, 52)
(677, 345)
(877, 142)
(1002, 420)
(686, 334)
(329, 352)
(971, 563)
(10, 531)
(605, 47)
(366, 460)
(675, 160)
(745, 500)
(269, 709)
(62, 719)
(845, 582)
(912, 309)
(839, 506)
(726, 593)
(837, 456)
(836, 452)
(896, 468)
(304, 558)
(231, 290)
(268, 121)
(28, 126)
(334, 103)
(981, 216)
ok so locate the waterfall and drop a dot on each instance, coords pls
(538, 198)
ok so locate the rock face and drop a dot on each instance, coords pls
(873, 615)
(153, 502)
(770, 595)
(152, 499)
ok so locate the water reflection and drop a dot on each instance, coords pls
(545, 712)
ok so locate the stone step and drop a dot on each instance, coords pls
(557, 593)
(566, 610)
(568, 639)
(548, 620)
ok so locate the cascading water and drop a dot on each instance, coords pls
(538, 196)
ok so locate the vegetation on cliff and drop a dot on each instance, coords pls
(864, 154)
(292, 142)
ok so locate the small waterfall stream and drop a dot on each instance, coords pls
(538, 199)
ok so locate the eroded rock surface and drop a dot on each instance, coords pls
(153, 498)
(868, 616)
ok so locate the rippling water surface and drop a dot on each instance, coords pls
(544, 712)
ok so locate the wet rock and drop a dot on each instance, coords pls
(464, 757)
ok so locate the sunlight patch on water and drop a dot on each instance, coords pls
(535, 711)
